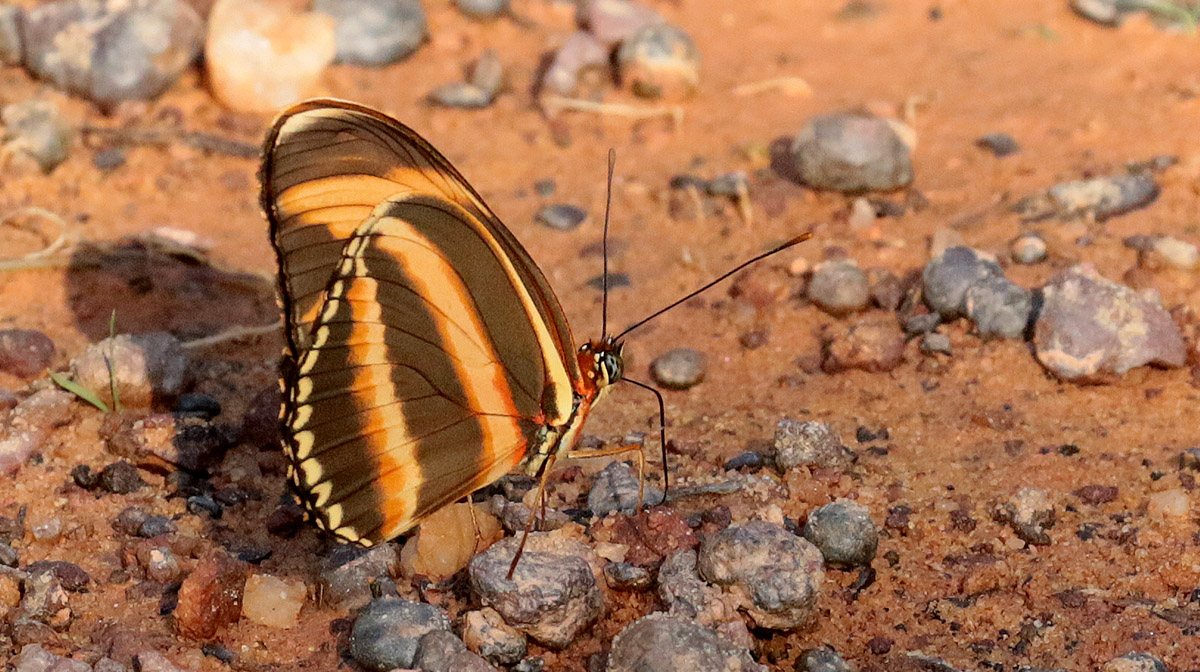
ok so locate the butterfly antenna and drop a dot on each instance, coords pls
(612, 162)
(794, 241)
(662, 429)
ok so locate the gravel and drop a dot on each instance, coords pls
(844, 533)
(853, 153)
(616, 489)
(999, 144)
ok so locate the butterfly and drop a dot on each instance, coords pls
(425, 353)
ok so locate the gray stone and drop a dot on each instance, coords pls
(35, 129)
(483, 9)
(348, 572)
(561, 217)
(822, 660)
(839, 287)
(437, 650)
(34, 658)
(554, 594)
(659, 61)
(679, 369)
(581, 57)
(148, 369)
(665, 643)
(921, 323)
(947, 276)
(852, 153)
(1091, 329)
(386, 633)
(809, 443)
(683, 591)
(998, 307)
(462, 95)
(935, 344)
(1029, 248)
(844, 533)
(112, 50)
(614, 21)
(488, 72)
(999, 144)
(775, 576)
(375, 32)
(485, 633)
(626, 576)
(616, 489)
(1097, 198)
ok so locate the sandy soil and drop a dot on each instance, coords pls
(965, 433)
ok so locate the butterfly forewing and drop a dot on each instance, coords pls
(428, 350)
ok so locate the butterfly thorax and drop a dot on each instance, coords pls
(601, 364)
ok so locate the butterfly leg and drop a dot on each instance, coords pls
(474, 523)
(635, 448)
(541, 497)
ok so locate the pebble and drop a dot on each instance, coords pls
(488, 72)
(683, 591)
(483, 9)
(582, 59)
(348, 572)
(1109, 13)
(70, 576)
(616, 489)
(1172, 503)
(160, 563)
(561, 217)
(447, 540)
(130, 520)
(11, 18)
(261, 57)
(485, 633)
(461, 95)
(875, 347)
(44, 410)
(948, 275)
(120, 478)
(273, 602)
(515, 515)
(112, 50)
(34, 658)
(626, 576)
(734, 184)
(545, 187)
(660, 60)
(153, 661)
(1098, 198)
(748, 460)
(1029, 514)
(887, 290)
(210, 597)
(35, 129)
(839, 287)
(998, 308)
(999, 144)
(189, 443)
(679, 369)
(555, 593)
(15, 451)
(154, 526)
(665, 643)
(1095, 494)
(47, 529)
(614, 21)
(1091, 329)
(646, 539)
(809, 443)
(9, 556)
(823, 659)
(375, 32)
(260, 423)
(921, 323)
(1165, 250)
(148, 369)
(935, 344)
(1135, 661)
(853, 153)
(437, 650)
(197, 405)
(844, 533)
(774, 575)
(385, 635)
(43, 599)
(1029, 249)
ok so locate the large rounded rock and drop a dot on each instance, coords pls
(853, 153)
(1091, 329)
(112, 50)
(555, 592)
(776, 575)
(664, 643)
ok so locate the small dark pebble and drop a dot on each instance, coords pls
(897, 518)
(880, 645)
(615, 281)
(387, 632)
(254, 556)
(9, 557)
(130, 521)
(12, 529)
(999, 144)
(155, 525)
(718, 516)
(685, 182)
(844, 532)
(753, 340)
(747, 460)
(561, 217)
(70, 576)
(626, 576)
(198, 504)
(121, 478)
(865, 435)
(961, 520)
(84, 477)
(199, 405)
(110, 159)
(1097, 494)
(546, 187)
(922, 324)
(214, 650)
(482, 9)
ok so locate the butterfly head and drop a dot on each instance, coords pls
(602, 362)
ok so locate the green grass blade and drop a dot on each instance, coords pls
(78, 390)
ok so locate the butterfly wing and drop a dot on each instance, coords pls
(428, 349)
